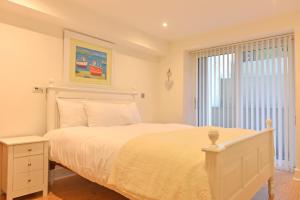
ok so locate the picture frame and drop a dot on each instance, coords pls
(88, 60)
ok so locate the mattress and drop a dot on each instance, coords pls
(91, 151)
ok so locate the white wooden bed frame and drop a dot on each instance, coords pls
(237, 169)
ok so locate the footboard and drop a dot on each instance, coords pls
(237, 170)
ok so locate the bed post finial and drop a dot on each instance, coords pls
(213, 135)
(269, 123)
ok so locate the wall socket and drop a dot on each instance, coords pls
(37, 89)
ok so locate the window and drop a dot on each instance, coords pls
(242, 85)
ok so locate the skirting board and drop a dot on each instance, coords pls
(297, 174)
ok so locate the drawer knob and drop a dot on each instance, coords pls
(29, 150)
(29, 180)
(29, 164)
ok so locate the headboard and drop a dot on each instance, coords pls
(52, 93)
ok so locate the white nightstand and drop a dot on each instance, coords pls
(24, 166)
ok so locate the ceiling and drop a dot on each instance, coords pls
(186, 17)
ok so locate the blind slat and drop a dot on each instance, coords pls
(256, 91)
(292, 116)
(280, 95)
(222, 90)
(247, 87)
(219, 79)
(251, 72)
(214, 71)
(263, 84)
(285, 100)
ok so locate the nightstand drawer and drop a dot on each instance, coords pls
(28, 180)
(28, 163)
(22, 150)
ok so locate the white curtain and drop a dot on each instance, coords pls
(243, 84)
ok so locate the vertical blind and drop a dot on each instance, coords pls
(244, 84)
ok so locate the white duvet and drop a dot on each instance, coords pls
(92, 151)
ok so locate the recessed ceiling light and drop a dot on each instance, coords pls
(165, 24)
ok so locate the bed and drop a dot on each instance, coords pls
(216, 163)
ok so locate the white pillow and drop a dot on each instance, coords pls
(71, 113)
(111, 114)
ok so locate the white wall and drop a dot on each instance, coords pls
(170, 99)
(140, 74)
(30, 58)
(179, 109)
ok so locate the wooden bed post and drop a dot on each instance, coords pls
(271, 179)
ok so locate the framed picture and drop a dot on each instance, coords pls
(87, 60)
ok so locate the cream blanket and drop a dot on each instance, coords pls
(167, 166)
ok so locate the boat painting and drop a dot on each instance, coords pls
(82, 63)
(91, 64)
